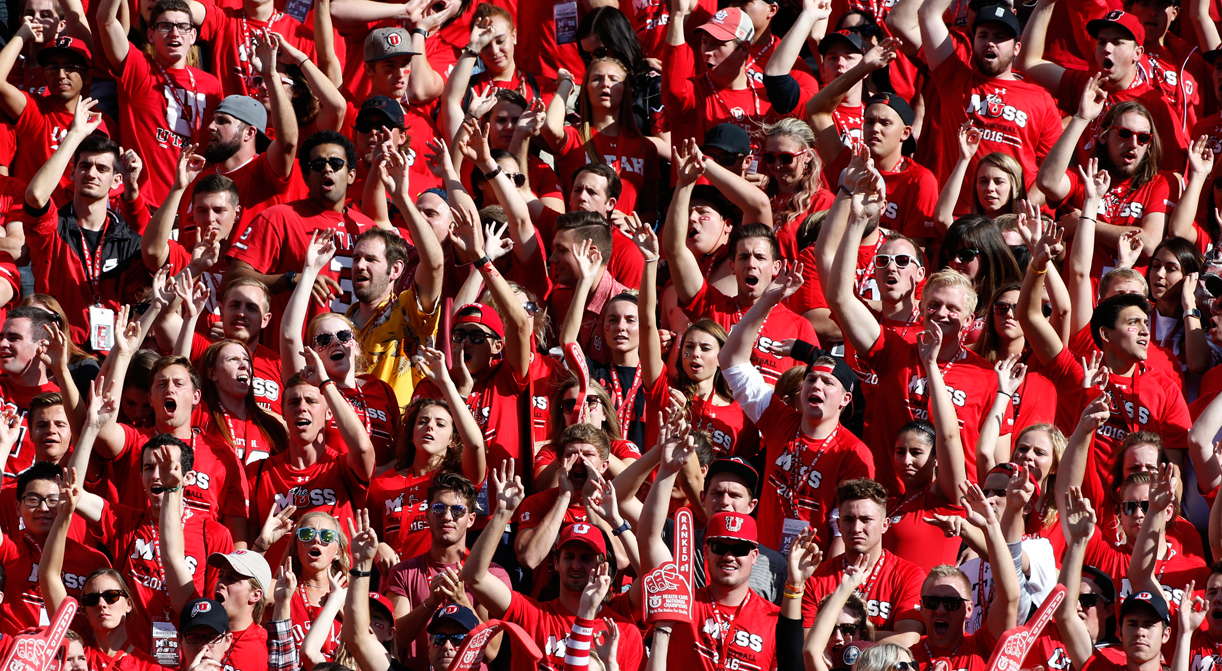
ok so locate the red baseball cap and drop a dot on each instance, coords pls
(71, 45)
(582, 532)
(1122, 20)
(735, 526)
(478, 313)
(730, 23)
(381, 600)
(1008, 469)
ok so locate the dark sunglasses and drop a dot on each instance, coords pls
(1130, 507)
(966, 255)
(1002, 308)
(324, 536)
(1091, 600)
(454, 639)
(568, 405)
(456, 511)
(901, 260)
(336, 163)
(950, 603)
(324, 339)
(907, 666)
(531, 307)
(519, 180)
(601, 52)
(847, 629)
(111, 596)
(139, 308)
(1123, 133)
(476, 337)
(783, 158)
(366, 126)
(735, 549)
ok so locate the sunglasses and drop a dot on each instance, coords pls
(531, 307)
(454, 639)
(456, 511)
(336, 163)
(783, 158)
(1130, 507)
(847, 630)
(735, 549)
(907, 666)
(1090, 600)
(1002, 308)
(966, 255)
(519, 180)
(601, 52)
(324, 536)
(475, 336)
(34, 501)
(568, 405)
(111, 596)
(950, 603)
(203, 640)
(901, 260)
(322, 340)
(1123, 133)
(367, 126)
(258, 81)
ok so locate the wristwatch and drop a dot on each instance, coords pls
(621, 529)
(492, 173)
(420, 31)
(291, 278)
(355, 573)
(1192, 313)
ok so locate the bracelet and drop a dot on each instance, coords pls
(846, 190)
(1091, 218)
(653, 260)
(1002, 393)
(255, 546)
(493, 173)
(482, 262)
(1040, 272)
(468, 51)
(324, 383)
(794, 595)
(360, 574)
(621, 529)
(420, 31)
(661, 630)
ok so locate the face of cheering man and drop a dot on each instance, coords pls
(20, 348)
(372, 275)
(329, 184)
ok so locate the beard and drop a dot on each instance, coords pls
(372, 290)
(994, 67)
(1117, 171)
(219, 151)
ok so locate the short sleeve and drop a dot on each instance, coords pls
(907, 604)
(261, 251)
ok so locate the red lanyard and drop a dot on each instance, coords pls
(796, 472)
(233, 435)
(949, 657)
(249, 66)
(232, 646)
(739, 317)
(754, 61)
(311, 611)
(1162, 569)
(898, 511)
(755, 97)
(983, 600)
(1135, 396)
(93, 265)
(165, 587)
(29, 538)
(725, 627)
(866, 587)
(192, 94)
(624, 405)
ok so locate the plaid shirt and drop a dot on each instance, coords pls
(281, 651)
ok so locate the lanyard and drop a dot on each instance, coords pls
(752, 66)
(93, 265)
(983, 599)
(192, 94)
(1135, 397)
(931, 656)
(115, 660)
(725, 626)
(165, 587)
(1170, 554)
(311, 611)
(247, 80)
(898, 511)
(624, 405)
(738, 316)
(868, 586)
(29, 538)
(755, 97)
(232, 646)
(795, 470)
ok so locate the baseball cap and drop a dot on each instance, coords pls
(841, 371)
(581, 532)
(846, 36)
(478, 313)
(67, 44)
(382, 601)
(728, 137)
(461, 615)
(998, 14)
(896, 103)
(734, 466)
(711, 195)
(245, 109)
(1211, 56)
(1107, 588)
(247, 563)
(386, 43)
(1121, 19)
(1008, 469)
(1152, 600)
(735, 526)
(730, 23)
(379, 109)
(204, 613)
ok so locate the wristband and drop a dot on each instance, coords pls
(482, 262)
(324, 383)
(1192, 313)
(1002, 393)
(291, 278)
(621, 529)
(1091, 218)
(468, 51)
(653, 260)
(846, 190)
(493, 173)
(360, 574)
(1040, 272)
(255, 546)
(420, 31)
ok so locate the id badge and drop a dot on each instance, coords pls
(101, 328)
(790, 531)
(564, 14)
(481, 501)
(165, 643)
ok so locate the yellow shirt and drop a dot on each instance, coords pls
(391, 339)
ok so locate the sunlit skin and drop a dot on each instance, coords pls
(994, 188)
(306, 413)
(621, 329)
(433, 431)
(1097, 615)
(233, 373)
(388, 77)
(823, 397)
(895, 283)
(497, 55)
(1127, 286)
(1140, 458)
(1131, 337)
(316, 556)
(595, 414)
(591, 193)
(1143, 634)
(447, 530)
(478, 357)
(726, 571)
(788, 177)
(1131, 524)
(587, 457)
(1213, 607)
(1125, 156)
(884, 133)
(727, 494)
(511, 167)
(1007, 327)
(366, 143)
(563, 260)
(440, 658)
(994, 48)
(50, 432)
(172, 48)
(699, 355)
(724, 59)
(105, 617)
(914, 460)
(1166, 279)
(39, 519)
(971, 268)
(338, 358)
(575, 562)
(150, 474)
(329, 187)
(173, 396)
(840, 59)
(214, 214)
(1116, 56)
(944, 628)
(244, 313)
(754, 267)
(945, 308)
(435, 211)
(62, 84)
(605, 85)
(94, 175)
(1034, 450)
(503, 120)
(75, 658)
(862, 525)
(45, 14)
(235, 592)
(994, 488)
(706, 228)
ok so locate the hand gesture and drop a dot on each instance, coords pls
(32, 30)
(530, 123)
(439, 160)
(130, 166)
(313, 371)
(1010, 374)
(880, 55)
(432, 364)
(804, 556)
(55, 353)
(594, 593)
(320, 251)
(1094, 372)
(856, 170)
(127, 340)
(1129, 247)
(644, 237)
(1200, 157)
(1094, 98)
(1192, 608)
(466, 232)
(589, 259)
(507, 489)
(782, 348)
(169, 469)
(1162, 491)
(951, 525)
(102, 404)
(10, 428)
(481, 34)
(292, 54)
(1078, 518)
(929, 342)
(265, 54)
(275, 527)
(565, 484)
(607, 646)
(477, 141)
(979, 513)
(447, 586)
(871, 194)
(286, 582)
(676, 446)
(688, 162)
(481, 104)
(85, 121)
(602, 500)
(1098, 411)
(855, 574)
(1095, 182)
(207, 252)
(786, 283)
(1020, 489)
(394, 172)
(1188, 292)
(819, 10)
(363, 541)
(969, 140)
(496, 242)
(70, 493)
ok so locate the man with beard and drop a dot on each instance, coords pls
(393, 325)
(1129, 149)
(756, 257)
(24, 375)
(1119, 37)
(1017, 117)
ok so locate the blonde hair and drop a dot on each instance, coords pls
(812, 180)
(342, 561)
(1058, 442)
(1009, 165)
(881, 657)
(955, 279)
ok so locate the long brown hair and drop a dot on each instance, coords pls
(274, 433)
(686, 384)
(989, 344)
(1148, 168)
(610, 423)
(450, 460)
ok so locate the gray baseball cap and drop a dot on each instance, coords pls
(386, 43)
(245, 109)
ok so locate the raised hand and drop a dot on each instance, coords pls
(602, 499)
(1200, 157)
(496, 242)
(292, 54)
(1129, 247)
(1094, 372)
(286, 582)
(588, 258)
(481, 34)
(1010, 374)
(1095, 182)
(929, 343)
(1162, 491)
(508, 487)
(439, 161)
(644, 237)
(1078, 518)
(481, 104)
(102, 404)
(969, 140)
(1094, 99)
(363, 541)
(979, 513)
(1188, 292)
(1098, 411)
(394, 172)
(880, 55)
(1192, 608)
(782, 348)
(432, 363)
(477, 140)
(130, 166)
(55, 353)
(10, 427)
(85, 121)
(786, 283)
(595, 591)
(127, 340)
(169, 469)
(466, 232)
(951, 525)
(870, 196)
(1020, 488)
(320, 251)
(688, 162)
(207, 251)
(275, 527)
(855, 574)
(313, 371)
(804, 556)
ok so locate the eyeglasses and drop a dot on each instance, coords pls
(568, 405)
(1091, 600)
(724, 548)
(456, 511)
(258, 81)
(784, 157)
(336, 163)
(601, 52)
(531, 307)
(847, 629)
(476, 337)
(324, 339)
(324, 536)
(907, 666)
(901, 260)
(111, 596)
(164, 27)
(34, 501)
(440, 639)
(209, 640)
(1002, 308)
(70, 68)
(1130, 507)
(966, 255)
(1123, 133)
(950, 603)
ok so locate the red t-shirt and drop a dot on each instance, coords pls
(720, 637)
(903, 396)
(153, 120)
(848, 120)
(419, 126)
(249, 649)
(545, 373)
(1035, 402)
(730, 430)
(377, 407)
(801, 474)
(259, 187)
(782, 323)
(1177, 70)
(550, 623)
(912, 195)
(1123, 206)
(1173, 572)
(633, 158)
(892, 588)
(232, 35)
(399, 511)
(535, 507)
(810, 295)
(266, 365)
(136, 660)
(244, 437)
(20, 555)
(18, 397)
(304, 615)
(43, 124)
(912, 537)
(649, 20)
(329, 485)
(1017, 118)
(1172, 132)
(494, 401)
(971, 655)
(441, 49)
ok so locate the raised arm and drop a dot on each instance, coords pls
(1191, 614)
(51, 566)
(969, 142)
(789, 49)
(677, 447)
(46, 180)
(1052, 178)
(822, 105)
(1003, 610)
(903, 21)
(322, 77)
(517, 323)
(394, 171)
(1096, 183)
(948, 442)
(507, 492)
(1010, 376)
(320, 629)
(1200, 166)
(1078, 523)
(351, 428)
(318, 255)
(1031, 57)
(450, 111)
(1201, 443)
(829, 615)
(1203, 23)
(1153, 526)
(101, 411)
(935, 36)
(358, 636)
(857, 323)
(113, 35)
(686, 275)
(180, 584)
(12, 99)
(521, 230)
(652, 364)
(109, 438)
(424, 84)
(552, 131)
(533, 545)
(282, 152)
(1071, 472)
(474, 459)
(737, 349)
(742, 194)
(155, 242)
